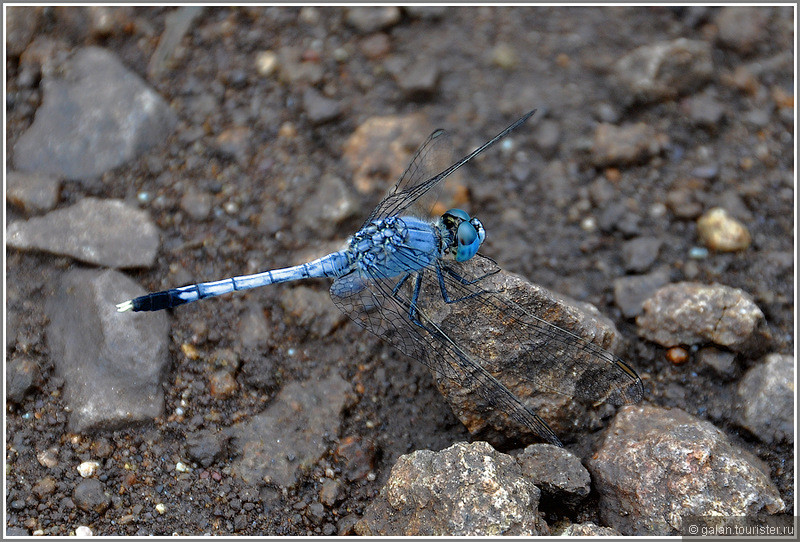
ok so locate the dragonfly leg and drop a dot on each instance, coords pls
(460, 279)
(464, 281)
(412, 306)
(400, 284)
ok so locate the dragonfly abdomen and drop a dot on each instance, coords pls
(332, 266)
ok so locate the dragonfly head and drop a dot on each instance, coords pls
(464, 234)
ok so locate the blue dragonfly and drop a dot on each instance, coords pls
(393, 272)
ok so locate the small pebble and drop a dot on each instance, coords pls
(160, 508)
(677, 355)
(698, 253)
(721, 232)
(83, 530)
(88, 468)
(182, 467)
(266, 63)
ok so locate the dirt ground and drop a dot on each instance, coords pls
(490, 65)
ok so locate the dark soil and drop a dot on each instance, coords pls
(562, 65)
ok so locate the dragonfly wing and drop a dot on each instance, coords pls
(523, 327)
(432, 157)
(419, 178)
(378, 306)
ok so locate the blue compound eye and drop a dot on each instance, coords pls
(458, 213)
(469, 241)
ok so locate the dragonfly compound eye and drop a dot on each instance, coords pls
(469, 240)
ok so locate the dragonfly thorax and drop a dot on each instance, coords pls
(462, 236)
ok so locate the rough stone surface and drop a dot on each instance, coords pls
(299, 419)
(22, 375)
(101, 232)
(206, 447)
(658, 466)
(465, 490)
(766, 399)
(547, 369)
(90, 495)
(564, 481)
(96, 117)
(32, 192)
(688, 313)
(626, 145)
(112, 363)
(663, 70)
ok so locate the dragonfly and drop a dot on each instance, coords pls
(401, 270)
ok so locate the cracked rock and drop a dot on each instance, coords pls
(688, 313)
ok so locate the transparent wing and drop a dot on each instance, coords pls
(419, 179)
(377, 305)
(550, 358)
(432, 157)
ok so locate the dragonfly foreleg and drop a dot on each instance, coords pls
(459, 278)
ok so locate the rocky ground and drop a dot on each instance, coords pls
(154, 147)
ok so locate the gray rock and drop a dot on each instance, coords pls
(206, 447)
(101, 232)
(722, 362)
(550, 373)
(97, 117)
(329, 204)
(319, 108)
(465, 490)
(254, 329)
(330, 491)
(89, 495)
(631, 292)
(274, 445)
(639, 254)
(33, 193)
(22, 375)
(706, 110)
(295, 71)
(417, 79)
(656, 467)
(766, 399)
(546, 137)
(196, 204)
(312, 310)
(112, 363)
(663, 70)
(564, 481)
(741, 28)
(626, 145)
(688, 313)
(372, 19)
